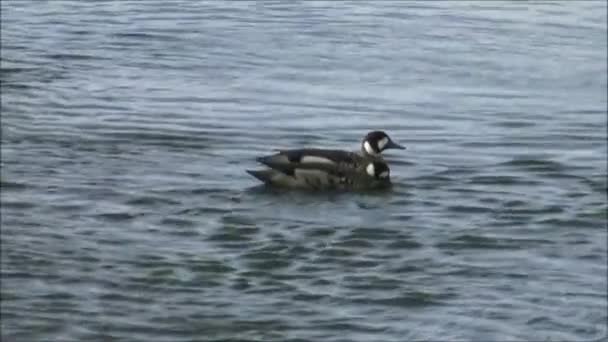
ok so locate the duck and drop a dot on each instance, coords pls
(319, 169)
(374, 174)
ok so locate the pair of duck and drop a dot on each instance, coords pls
(322, 169)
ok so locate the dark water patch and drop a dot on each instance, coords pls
(353, 243)
(184, 233)
(489, 200)
(15, 70)
(548, 210)
(31, 274)
(514, 124)
(600, 214)
(263, 254)
(7, 86)
(165, 138)
(117, 216)
(501, 180)
(403, 244)
(515, 204)
(298, 251)
(269, 286)
(13, 186)
(384, 255)
(20, 222)
(534, 165)
(24, 76)
(73, 208)
(230, 235)
(455, 171)
(402, 202)
(204, 211)
(499, 144)
(344, 325)
(514, 275)
(240, 221)
(412, 299)
(406, 269)
(146, 261)
(148, 200)
(368, 282)
(75, 57)
(431, 181)
(598, 184)
(592, 256)
(235, 246)
(470, 272)
(47, 325)
(576, 195)
(310, 297)
(321, 232)
(241, 284)
(467, 241)
(19, 205)
(178, 222)
(337, 252)
(572, 223)
(545, 323)
(161, 279)
(315, 268)
(143, 36)
(372, 234)
(253, 274)
(269, 265)
(361, 263)
(559, 176)
(468, 209)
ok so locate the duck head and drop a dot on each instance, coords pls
(377, 141)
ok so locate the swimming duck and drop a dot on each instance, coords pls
(322, 168)
(319, 176)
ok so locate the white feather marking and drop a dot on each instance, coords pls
(368, 148)
(316, 160)
(383, 174)
(371, 170)
(382, 142)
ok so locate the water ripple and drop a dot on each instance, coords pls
(127, 214)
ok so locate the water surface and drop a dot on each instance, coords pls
(127, 214)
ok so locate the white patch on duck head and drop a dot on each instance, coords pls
(371, 169)
(368, 148)
(315, 160)
(382, 143)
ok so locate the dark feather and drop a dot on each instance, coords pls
(262, 175)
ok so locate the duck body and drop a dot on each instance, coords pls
(315, 157)
(326, 169)
(314, 172)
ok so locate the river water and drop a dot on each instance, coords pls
(127, 214)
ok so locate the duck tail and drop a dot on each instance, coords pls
(275, 161)
(263, 175)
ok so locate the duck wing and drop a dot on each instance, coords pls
(310, 158)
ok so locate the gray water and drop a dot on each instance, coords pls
(127, 214)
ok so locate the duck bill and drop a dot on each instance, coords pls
(392, 144)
